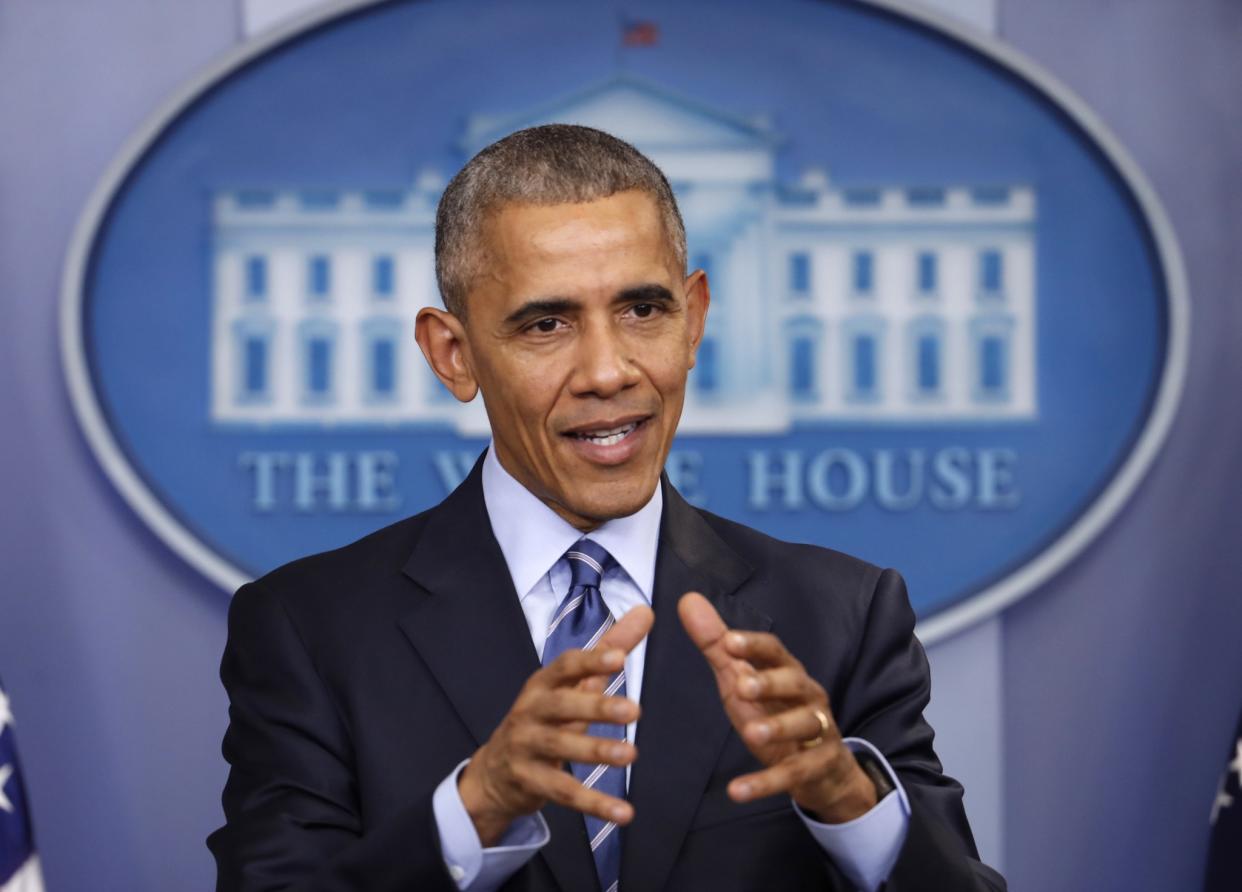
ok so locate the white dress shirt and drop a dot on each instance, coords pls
(534, 539)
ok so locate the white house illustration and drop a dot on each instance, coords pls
(895, 303)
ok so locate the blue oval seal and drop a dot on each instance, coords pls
(949, 318)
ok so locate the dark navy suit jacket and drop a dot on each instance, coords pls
(360, 677)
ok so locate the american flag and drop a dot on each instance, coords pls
(639, 33)
(19, 863)
(1224, 869)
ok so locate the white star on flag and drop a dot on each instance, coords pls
(6, 771)
(1223, 800)
(6, 711)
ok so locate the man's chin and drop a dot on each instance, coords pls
(603, 502)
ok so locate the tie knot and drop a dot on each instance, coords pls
(587, 562)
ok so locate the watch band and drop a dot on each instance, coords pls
(874, 770)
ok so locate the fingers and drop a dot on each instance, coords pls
(557, 785)
(579, 705)
(606, 658)
(705, 628)
(759, 649)
(791, 726)
(722, 645)
(819, 763)
(522, 764)
(575, 665)
(595, 684)
(629, 630)
(782, 683)
(555, 745)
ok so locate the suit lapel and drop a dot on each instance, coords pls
(470, 631)
(683, 725)
(472, 634)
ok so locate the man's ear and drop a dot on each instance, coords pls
(442, 338)
(698, 297)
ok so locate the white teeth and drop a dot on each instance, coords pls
(609, 437)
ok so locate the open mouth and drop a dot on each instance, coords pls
(609, 436)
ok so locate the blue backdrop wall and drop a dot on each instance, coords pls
(1120, 680)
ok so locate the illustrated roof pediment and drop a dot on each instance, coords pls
(649, 116)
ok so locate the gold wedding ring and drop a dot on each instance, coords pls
(824, 725)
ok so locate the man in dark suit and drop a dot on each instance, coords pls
(402, 709)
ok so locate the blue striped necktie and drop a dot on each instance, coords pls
(580, 621)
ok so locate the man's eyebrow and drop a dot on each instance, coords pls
(650, 294)
(553, 306)
(534, 309)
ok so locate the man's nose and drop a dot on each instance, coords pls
(605, 363)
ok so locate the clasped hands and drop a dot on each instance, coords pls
(774, 705)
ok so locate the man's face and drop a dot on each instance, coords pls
(580, 333)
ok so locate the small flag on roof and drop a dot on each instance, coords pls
(639, 32)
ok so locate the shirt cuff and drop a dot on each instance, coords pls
(866, 848)
(472, 867)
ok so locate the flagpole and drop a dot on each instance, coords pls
(620, 45)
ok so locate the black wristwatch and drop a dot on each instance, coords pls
(874, 770)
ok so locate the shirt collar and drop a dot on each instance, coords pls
(533, 537)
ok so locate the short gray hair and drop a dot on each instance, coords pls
(551, 164)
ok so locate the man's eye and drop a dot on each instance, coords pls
(546, 326)
(642, 311)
